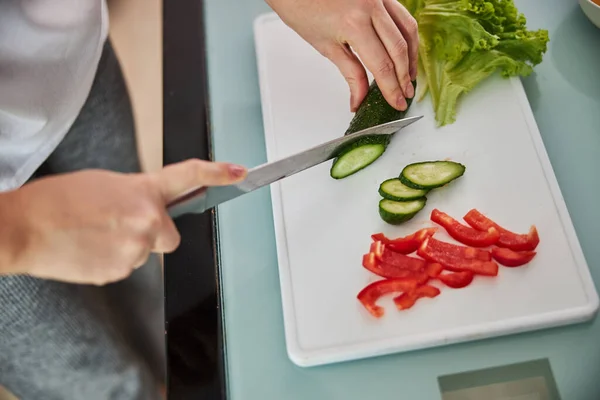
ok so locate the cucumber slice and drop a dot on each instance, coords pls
(355, 159)
(431, 174)
(393, 189)
(396, 212)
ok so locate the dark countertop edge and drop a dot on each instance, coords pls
(193, 317)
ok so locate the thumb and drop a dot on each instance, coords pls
(176, 179)
(353, 71)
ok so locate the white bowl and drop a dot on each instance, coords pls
(591, 10)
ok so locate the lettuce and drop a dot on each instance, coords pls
(463, 42)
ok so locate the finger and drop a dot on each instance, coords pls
(396, 46)
(142, 259)
(410, 31)
(182, 177)
(370, 49)
(352, 70)
(168, 238)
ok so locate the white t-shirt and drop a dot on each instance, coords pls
(49, 53)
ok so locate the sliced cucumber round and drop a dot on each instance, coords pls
(396, 212)
(356, 159)
(431, 174)
(393, 189)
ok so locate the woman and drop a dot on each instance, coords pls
(80, 224)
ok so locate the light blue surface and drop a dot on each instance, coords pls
(565, 97)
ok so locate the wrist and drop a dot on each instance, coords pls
(13, 234)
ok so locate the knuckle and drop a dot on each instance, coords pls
(396, 93)
(355, 20)
(192, 169)
(153, 220)
(412, 27)
(370, 4)
(351, 79)
(146, 218)
(355, 78)
(386, 68)
(400, 48)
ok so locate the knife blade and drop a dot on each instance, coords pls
(204, 198)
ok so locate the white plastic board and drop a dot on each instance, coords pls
(323, 226)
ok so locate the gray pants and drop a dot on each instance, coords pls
(74, 342)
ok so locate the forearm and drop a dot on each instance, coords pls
(12, 234)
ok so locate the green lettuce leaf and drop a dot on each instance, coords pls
(463, 42)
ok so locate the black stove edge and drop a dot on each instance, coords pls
(193, 326)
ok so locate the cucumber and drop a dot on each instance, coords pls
(431, 174)
(397, 212)
(356, 157)
(374, 110)
(393, 189)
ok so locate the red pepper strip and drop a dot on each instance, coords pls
(469, 253)
(380, 237)
(407, 244)
(433, 270)
(510, 258)
(402, 261)
(454, 263)
(408, 299)
(372, 292)
(377, 249)
(465, 234)
(457, 279)
(384, 270)
(508, 239)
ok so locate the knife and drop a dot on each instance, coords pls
(204, 198)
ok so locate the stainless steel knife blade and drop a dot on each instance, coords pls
(202, 199)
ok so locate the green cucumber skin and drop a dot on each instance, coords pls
(363, 141)
(374, 110)
(389, 196)
(396, 219)
(413, 185)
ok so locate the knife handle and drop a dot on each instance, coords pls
(190, 202)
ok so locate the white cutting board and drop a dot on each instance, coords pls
(323, 226)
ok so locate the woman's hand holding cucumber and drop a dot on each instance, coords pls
(381, 32)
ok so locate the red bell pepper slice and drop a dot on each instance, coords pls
(454, 263)
(457, 279)
(510, 258)
(402, 261)
(377, 248)
(407, 244)
(369, 295)
(371, 263)
(408, 299)
(433, 270)
(465, 234)
(380, 237)
(459, 251)
(508, 239)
